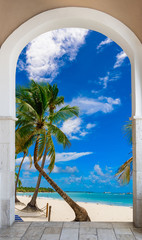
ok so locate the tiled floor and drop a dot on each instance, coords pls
(71, 231)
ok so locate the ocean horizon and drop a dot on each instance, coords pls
(117, 199)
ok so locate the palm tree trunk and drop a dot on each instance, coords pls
(16, 182)
(80, 213)
(32, 203)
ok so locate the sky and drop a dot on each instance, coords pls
(93, 73)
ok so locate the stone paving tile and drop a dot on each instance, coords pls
(69, 234)
(137, 233)
(88, 237)
(52, 230)
(50, 237)
(122, 224)
(13, 232)
(47, 224)
(41, 224)
(33, 233)
(87, 230)
(71, 224)
(125, 237)
(71, 231)
(51, 233)
(123, 231)
(106, 234)
(95, 225)
(53, 224)
(7, 238)
(21, 224)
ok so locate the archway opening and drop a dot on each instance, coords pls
(93, 73)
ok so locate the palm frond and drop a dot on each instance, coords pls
(60, 136)
(42, 143)
(59, 100)
(19, 183)
(26, 130)
(51, 153)
(31, 160)
(65, 113)
(124, 173)
(128, 131)
(24, 95)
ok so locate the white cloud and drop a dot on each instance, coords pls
(18, 160)
(73, 179)
(67, 169)
(90, 106)
(104, 80)
(83, 133)
(92, 177)
(65, 157)
(98, 170)
(100, 176)
(46, 54)
(109, 78)
(104, 43)
(120, 57)
(74, 130)
(71, 127)
(31, 169)
(21, 66)
(95, 92)
(90, 125)
(26, 174)
(60, 157)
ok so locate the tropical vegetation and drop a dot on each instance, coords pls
(124, 172)
(31, 189)
(16, 174)
(39, 120)
(20, 147)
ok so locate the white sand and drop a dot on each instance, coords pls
(62, 212)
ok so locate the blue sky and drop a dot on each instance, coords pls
(94, 73)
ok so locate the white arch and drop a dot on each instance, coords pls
(51, 20)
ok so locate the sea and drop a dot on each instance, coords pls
(117, 199)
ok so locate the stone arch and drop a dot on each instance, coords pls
(9, 52)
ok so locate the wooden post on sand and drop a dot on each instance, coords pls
(47, 210)
(49, 216)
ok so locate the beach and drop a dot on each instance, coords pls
(61, 211)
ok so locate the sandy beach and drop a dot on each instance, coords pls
(62, 212)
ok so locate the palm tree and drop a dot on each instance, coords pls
(19, 181)
(20, 146)
(53, 102)
(37, 120)
(17, 177)
(125, 171)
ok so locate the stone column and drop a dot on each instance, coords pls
(7, 171)
(137, 171)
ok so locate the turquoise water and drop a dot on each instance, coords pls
(103, 198)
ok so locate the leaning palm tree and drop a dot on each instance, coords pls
(17, 177)
(125, 171)
(38, 120)
(20, 147)
(19, 181)
(54, 102)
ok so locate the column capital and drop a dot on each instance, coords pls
(13, 118)
(135, 118)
